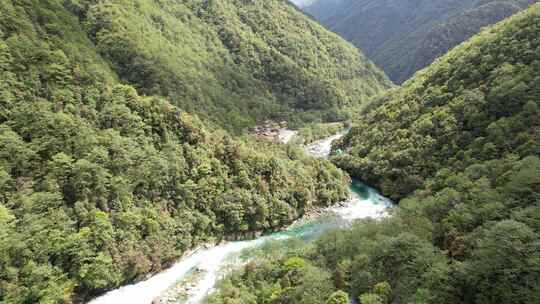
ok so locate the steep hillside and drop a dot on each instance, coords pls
(476, 104)
(464, 133)
(403, 37)
(232, 62)
(101, 182)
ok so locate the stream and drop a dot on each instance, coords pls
(191, 279)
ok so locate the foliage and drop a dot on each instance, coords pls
(338, 297)
(459, 146)
(278, 278)
(406, 36)
(314, 132)
(102, 183)
(233, 62)
(370, 298)
(475, 105)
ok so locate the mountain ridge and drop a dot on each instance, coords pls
(403, 37)
(217, 59)
(107, 174)
(437, 89)
(458, 148)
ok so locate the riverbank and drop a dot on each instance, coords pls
(318, 131)
(209, 261)
(273, 131)
(190, 279)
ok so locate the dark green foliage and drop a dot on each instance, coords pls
(403, 37)
(504, 266)
(464, 136)
(276, 277)
(100, 185)
(232, 62)
(459, 145)
(378, 263)
(476, 104)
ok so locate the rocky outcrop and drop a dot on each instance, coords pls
(269, 130)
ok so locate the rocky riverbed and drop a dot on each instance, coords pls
(191, 279)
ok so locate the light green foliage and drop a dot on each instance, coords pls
(101, 182)
(383, 290)
(276, 280)
(458, 146)
(379, 294)
(338, 297)
(474, 104)
(232, 62)
(294, 263)
(403, 37)
(314, 132)
(370, 298)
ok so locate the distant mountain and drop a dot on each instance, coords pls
(461, 142)
(404, 36)
(106, 172)
(477, 103)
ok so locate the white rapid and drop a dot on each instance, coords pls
(146, 291)
(285, 135)
(364, 202)
(322, 147)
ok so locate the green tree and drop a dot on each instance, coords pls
(503, 259)
(370, 298)
(338, 297)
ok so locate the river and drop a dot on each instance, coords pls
(195, 275)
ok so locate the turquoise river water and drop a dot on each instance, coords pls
(196, 275)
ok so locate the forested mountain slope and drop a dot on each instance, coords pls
(477, 103)
(233, 62)
(102, 182)
(465, 134)
(403, 37)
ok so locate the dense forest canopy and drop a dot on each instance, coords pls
(104, 175)
(117, 153)
(477, 103)
(459, 147)
(404, 36)
(232, 62)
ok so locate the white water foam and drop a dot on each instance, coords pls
(285, 135)
(146, 291)
(322, 147)
(359, 209)
(211, 260)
